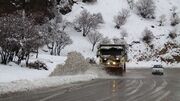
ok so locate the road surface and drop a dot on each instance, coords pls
(135, 85)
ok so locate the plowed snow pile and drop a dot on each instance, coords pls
(74, 64)
(77, 64)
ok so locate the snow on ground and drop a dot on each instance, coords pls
(26, 85)
(13, 72)
(80, 44)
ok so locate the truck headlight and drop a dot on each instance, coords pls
(117, 58)
(114, 63)
(105, 59)
(108, 63)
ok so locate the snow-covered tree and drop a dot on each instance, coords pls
(88, 22)
(18, 38)
(62, 41)
(65, 6)
(94, 38)
(121, 18)
(55, 38)
(146, 8)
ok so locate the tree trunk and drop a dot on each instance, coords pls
(58, 52)
(4, 57)
(27, 60)
(37, 54)
(93, 47)
(84, 32)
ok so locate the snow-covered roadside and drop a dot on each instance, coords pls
(14, 72)
(149, 64)
(25, 85)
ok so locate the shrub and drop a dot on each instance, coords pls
(174, 17)
(91, 60)
(162, 20)
(89, 1)
(130, 3)
(147, 36)
(173, 34)
(38, 65)
(65, 6)
(146, 8)
(121, 18)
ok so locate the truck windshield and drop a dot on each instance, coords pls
(111, 51)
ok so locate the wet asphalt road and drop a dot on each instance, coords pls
(135, 85)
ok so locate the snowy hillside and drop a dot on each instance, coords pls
(134, 26)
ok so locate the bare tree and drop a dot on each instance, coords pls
(121, 18)
(55, 38)
(147, 36)
(88, 22)
(62, 41)
(146, 8)
(162, 20)
(94, 38)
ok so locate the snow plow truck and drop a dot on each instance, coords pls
(113, 57)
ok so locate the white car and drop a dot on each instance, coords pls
(158, 69)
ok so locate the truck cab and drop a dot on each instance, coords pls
(112, 57)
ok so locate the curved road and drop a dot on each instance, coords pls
(135, 85)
